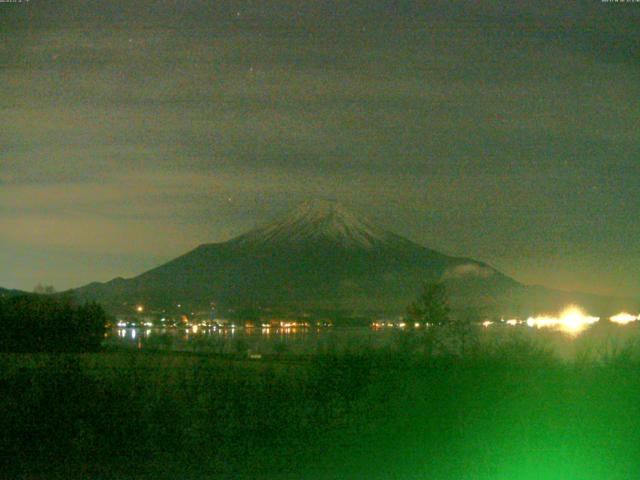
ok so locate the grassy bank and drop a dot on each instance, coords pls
(513, 412)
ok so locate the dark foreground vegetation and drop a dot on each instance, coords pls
(510, 411)
(43, 323)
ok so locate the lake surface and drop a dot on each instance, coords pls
(257, 340)
(598, 340)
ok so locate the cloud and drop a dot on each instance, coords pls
(468, 270)
(483, 130)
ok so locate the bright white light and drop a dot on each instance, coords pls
(487, 323)
(624, 318)
(572, 320)
(542, 322)
(512, 322)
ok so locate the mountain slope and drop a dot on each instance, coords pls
(4, 293)
(319, 257)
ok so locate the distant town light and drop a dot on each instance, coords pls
(623, 318)
(139, 309)
(572, 320)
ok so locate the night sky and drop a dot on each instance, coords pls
(132, 131)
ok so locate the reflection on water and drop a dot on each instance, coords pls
(596, 340)
(243, 340)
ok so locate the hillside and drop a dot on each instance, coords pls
(321, 257)
(4, 292)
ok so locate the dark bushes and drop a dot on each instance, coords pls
(510, 411)
(38, 323)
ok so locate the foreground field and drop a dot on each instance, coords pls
(511, 412)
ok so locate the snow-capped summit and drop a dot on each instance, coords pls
(319, 220)
(322, 258)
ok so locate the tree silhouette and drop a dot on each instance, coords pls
(37, 323)
(431, 306)
(44, 290)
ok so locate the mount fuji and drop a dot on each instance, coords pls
(321, 257)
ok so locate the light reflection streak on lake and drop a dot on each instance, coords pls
(597, 340)
(240, 340)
